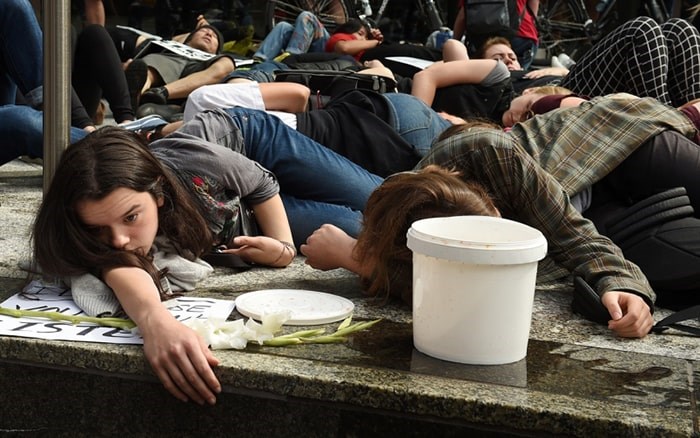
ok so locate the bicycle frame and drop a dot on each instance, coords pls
(427, 7)
(571, 26)
(332, 12)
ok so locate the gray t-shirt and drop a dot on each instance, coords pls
(218, 175)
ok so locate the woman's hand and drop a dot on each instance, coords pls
(547, 71)
(328, 248)
(377, 35)
(201, 21)
(262, 250)
(630, 314)
(180, 358)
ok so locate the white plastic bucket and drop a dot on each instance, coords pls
(473, 287)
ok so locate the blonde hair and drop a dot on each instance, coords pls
(549, 90)
(469, 123)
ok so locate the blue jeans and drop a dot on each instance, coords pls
(21, 53)
(526, 49)
(317, 185)
(415, 121)
(307, 35)
(22, 132)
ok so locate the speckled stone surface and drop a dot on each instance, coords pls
(577, 379)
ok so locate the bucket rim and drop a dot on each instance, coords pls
(531, 242)
(532, 248)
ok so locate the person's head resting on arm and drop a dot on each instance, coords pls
(402, 199)
(356, 27)
(206, 38)
(499, 48)
(109, 198)
(525, 106)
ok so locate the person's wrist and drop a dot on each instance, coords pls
(289, 250)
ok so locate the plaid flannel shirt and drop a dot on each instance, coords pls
(531, 171)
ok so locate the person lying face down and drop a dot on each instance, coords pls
(528, 180)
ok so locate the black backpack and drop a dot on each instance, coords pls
(327, 84)
(490, 18)
(662, 236)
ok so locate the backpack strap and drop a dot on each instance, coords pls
(588, 304)
(672, 321)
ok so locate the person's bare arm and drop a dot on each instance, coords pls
(201, 21)
(214, 74)
(178, 356)
(329, 247)
(269, 248)
(285, 96)
(453, 50)
(472, 71)
(534, 6)
(458, 27)
(547, 71)
(353, 47)
(630, 315)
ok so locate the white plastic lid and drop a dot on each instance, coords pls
(305, 306)
(477, 239)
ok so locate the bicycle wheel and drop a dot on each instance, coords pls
(410, 20)
(564, 27)
(330, 12)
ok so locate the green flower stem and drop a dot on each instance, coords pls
(120, 323)
(282, 342)
(316, 336)
(303, 334)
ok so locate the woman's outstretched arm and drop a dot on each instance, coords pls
(179, 357)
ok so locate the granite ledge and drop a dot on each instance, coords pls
(560, 388)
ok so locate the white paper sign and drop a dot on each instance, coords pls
(156, 46)
(409, 60)
(37, 296)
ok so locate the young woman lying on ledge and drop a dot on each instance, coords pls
(541, 173)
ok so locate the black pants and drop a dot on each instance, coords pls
(98, 72)
(665, 161)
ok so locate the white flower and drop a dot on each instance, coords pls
(221, 334)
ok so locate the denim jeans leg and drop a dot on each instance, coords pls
(8, 89)
(275, 41)
(415, 122)
(306, 216)
(21, 51)
(304, 168)
(526, 49)
(308, 32)
(22, 131)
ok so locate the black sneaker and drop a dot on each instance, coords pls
(136, 75)
(157, 95)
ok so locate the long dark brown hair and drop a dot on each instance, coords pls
(402, 199)
(108, 159)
